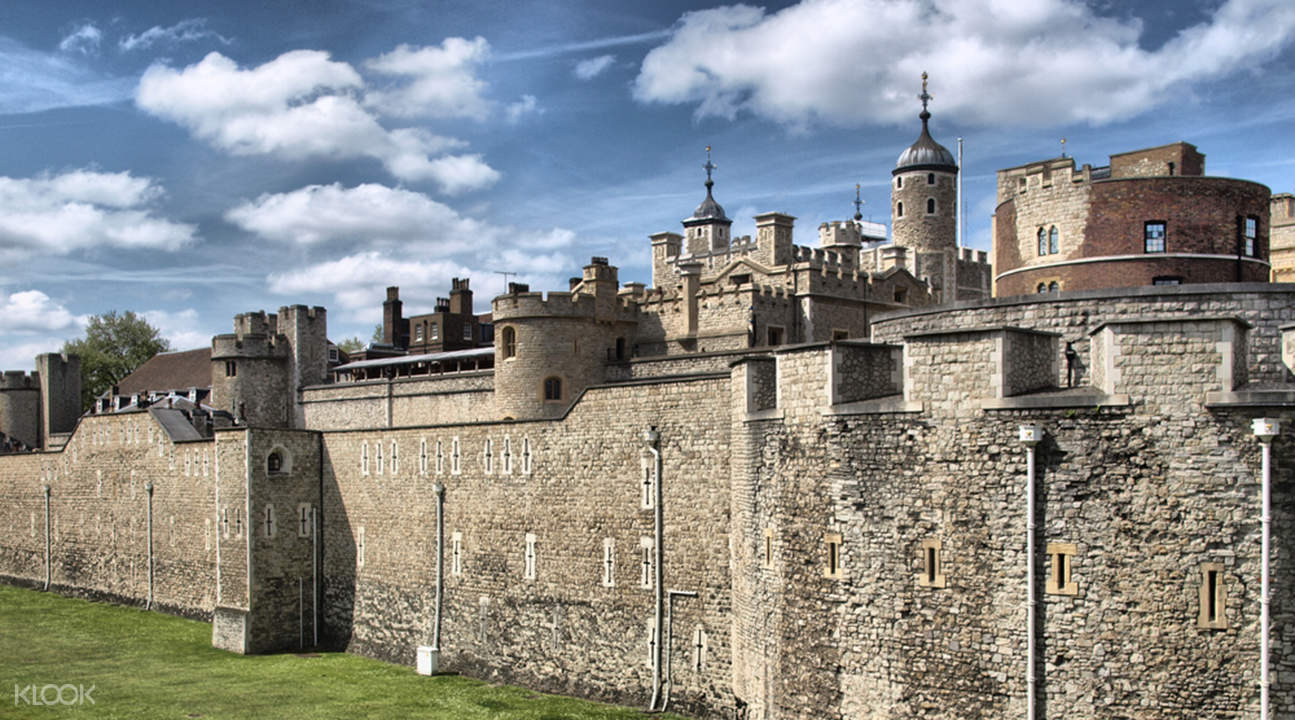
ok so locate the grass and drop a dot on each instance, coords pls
(149, 665)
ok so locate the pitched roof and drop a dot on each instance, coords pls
(170, 371)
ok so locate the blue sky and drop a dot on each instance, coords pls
(194, 160)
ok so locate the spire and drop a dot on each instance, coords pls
(925, 97)
(708, 167)
(858, 204)
(926, 152)
(709, 210)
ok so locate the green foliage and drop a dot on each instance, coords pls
(377, 333)
(351, 344)
(113, 346)
(149, 665)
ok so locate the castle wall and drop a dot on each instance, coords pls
(464, 397)
(584, 485)
(99, 515)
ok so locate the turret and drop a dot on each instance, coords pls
(924, 214)
(20, 402)
(60, 395)
(250, 371)
(708, 229)
(773, 236)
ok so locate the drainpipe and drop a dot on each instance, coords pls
(440, 572)
(148, 488)
(45, 487)
(653, 440)
(1030, 436)
(314, 574)
(1265, 429)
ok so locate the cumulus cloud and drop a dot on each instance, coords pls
(182, 328)
(593, 67)
(439, 82)
(190, 30)
(299, 105)
(84, 39)
(32, 311)
(84, 209)
(852, 62)
(527, 105)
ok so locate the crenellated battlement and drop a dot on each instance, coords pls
(557, 304)
(19, 380)
(248, 345)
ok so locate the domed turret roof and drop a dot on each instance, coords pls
(708, 209)
(925, 153)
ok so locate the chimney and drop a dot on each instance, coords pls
(393, 321)
(460, 297)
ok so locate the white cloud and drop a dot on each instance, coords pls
(300, 105)
(181, 328)
(22, 356)
(593, 67)
(527, 105)
(83, 209)
(190, 30)
(84, 39)
(438, 82)
(32, 81)
(854, 62)
(32, 311)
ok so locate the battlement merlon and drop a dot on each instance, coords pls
(233, 346)
(19, 380)
(257, 322)
(308, 313)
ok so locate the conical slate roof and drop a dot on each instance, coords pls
(926, 153)
(708, 209)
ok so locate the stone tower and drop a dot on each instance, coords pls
(60, 395)
(708, 228)
(923, 208)
(258, 371)
(20, 407)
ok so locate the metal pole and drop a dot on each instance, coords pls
(1265, 429)
(47, 538)
(314, 574)
(958, 179)
(1030, 436)
(148, 488)
(653, 439)
(440, 564)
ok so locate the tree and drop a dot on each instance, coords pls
(113, 346)
(378, 335)
(351, 344)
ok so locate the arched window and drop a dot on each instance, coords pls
(899, 182)
(930, 206)
(930, 178)
(1043, 243)
(274, 463)
(552, 388)
(1053, 286)
(1042, 288)
(509, 340)
(899, 209)
(1054, 241)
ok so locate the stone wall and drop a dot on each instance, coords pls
(464, 397)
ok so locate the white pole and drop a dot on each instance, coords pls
(1030, 436)
(1265, 429)
(148, 487)
(961, 219)
(653, 439)
(440, 565)
(47, 539)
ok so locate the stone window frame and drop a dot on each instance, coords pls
(378, 459)
(224, 522)
(418, 332)
(456, 554)
(530, 560)
(206, 532)
(488, 456)
(551, 389)
(422, 456)
(766, 554)
(931, 206)
(433, 331)
(440, 457)
(268, 522)
(188, 463)
(284, 461)
(646, 559)
(231, 368)
(395, 457)
(774, 332)
(1155, 244)
(1054, 240)
(931, 564)
(364, 458)
(1042, 237)
(305, 516)
(930, 178)
(899, 182)
(647, 488)
(238, 522)
(360, 542)
(1061, 560)
(609, 562)
(467, 330)
(508, 342)
(528, 457)
(899, 209)
(506, 457)
(456, 458)
(1213, 596)
(700, 644)
(833, 563)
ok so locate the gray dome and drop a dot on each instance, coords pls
(926, 153)
(708, 210)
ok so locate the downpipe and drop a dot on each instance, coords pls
(45, 487)
(1030, 435)
(148, 489)
(1265, 429)
(653, 440)
(440, 567)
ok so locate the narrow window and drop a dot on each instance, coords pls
(1042, 288)
(507, 456)
(488, 456)
(766, 557)
(1054, 286)
(435, 331)
(1061, 556)
(526, 456)
(395, 458)
(224, 522)
(483, 618)
(454, 457)
(901, 295)
(206, 532)
(440, 458)
(269, 521)
(645, 562)
(1043, 242)
(647, 486)
(456, 554)
(422, 456)
(1054, 241)
(930, 178)
(508, 339)
(774, 335)
(833, 567)
(931, 564)
(238, 522)
(274, 462)
(1249, 231)
(231, 368)
(188, 463)
(418, 332)
(698, 649)
(899, 183)
(1154, 236)
(899, 209)
(1171, 169)
(930, 206)
(620, 348)
(552, 388)
(359, 548)
(1213, 596)
(528, 571)
(377, 455)
(467, 331)
(364, 457)
(609, 562)
(303, 520)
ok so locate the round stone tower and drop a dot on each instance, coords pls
(923, 207)
(250, 372)
(20, 408)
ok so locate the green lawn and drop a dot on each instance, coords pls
(149, 665)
